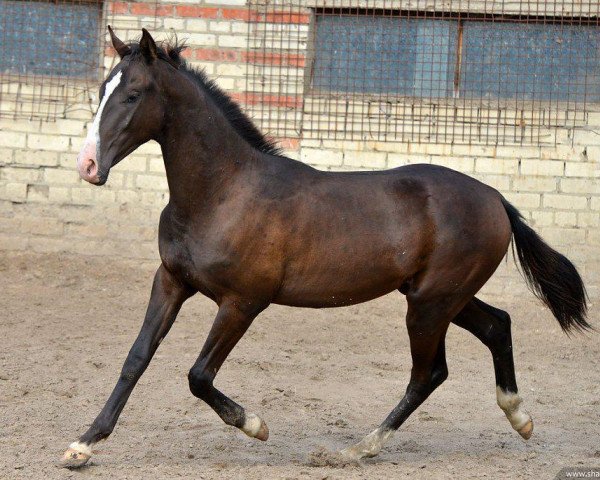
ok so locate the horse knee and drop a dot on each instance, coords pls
(134, 366)
(199, 381)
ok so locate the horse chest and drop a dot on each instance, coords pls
(194, 258)
(173, 244)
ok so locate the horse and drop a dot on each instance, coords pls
(247, 227)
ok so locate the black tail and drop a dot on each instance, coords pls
(550, 275)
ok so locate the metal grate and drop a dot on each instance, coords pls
(436, 71)
(53, 51)
(50, 54)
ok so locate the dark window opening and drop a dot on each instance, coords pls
(54, 39)
(488, 57)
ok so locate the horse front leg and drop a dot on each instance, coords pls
(229, 326)
(167, 296)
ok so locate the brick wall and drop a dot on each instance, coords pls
(45, 207)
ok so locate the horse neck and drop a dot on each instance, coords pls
(203, 153)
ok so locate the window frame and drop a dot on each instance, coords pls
(445, 101)
(48, 97)
(100, 7)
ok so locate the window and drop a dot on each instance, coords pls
(55, 39)
(376, 54)
(420, 57)
(50, 55)
(531, 61)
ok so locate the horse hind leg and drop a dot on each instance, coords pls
(492, 327)
(427, 330)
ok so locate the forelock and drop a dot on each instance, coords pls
(168, 51)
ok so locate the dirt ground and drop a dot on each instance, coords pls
(319, 378)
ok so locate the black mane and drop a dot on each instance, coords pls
(171, 52)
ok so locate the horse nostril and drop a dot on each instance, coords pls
(91, 168)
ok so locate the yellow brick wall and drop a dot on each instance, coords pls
(45, 207)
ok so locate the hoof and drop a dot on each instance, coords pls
(368, 447)
(76, 456)
(263, 432)
(255, 427)
(356, 453)
(526, 430)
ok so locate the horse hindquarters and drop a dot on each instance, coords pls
(456, 268)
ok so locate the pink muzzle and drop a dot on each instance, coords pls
(86, 162)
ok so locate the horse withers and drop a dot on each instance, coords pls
(248, 227)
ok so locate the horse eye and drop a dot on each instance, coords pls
(132, 98)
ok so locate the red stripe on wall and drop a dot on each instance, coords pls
(119, 7)
(150, 9)
(290, 101)
(196, 11)
(214, 55)
(239, 14)
(287, 17)
(283, 59)
(288, 143)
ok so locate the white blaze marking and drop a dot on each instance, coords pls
(510, 402)
(94, 132)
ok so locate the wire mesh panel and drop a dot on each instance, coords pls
(278, 36)
(440, 71)
(50, 52)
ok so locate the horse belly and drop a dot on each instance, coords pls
(344, 282)
(349, 252)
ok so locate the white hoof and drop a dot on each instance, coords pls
(520, 420)
(77, 455)
(527, 430)
(368, 447)
(255, 427)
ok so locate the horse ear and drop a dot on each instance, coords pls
(118, 44)
(148, 46)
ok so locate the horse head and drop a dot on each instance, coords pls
(132, 108)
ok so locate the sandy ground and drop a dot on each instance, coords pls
(320, 379)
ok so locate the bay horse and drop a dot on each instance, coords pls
(248, 227)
